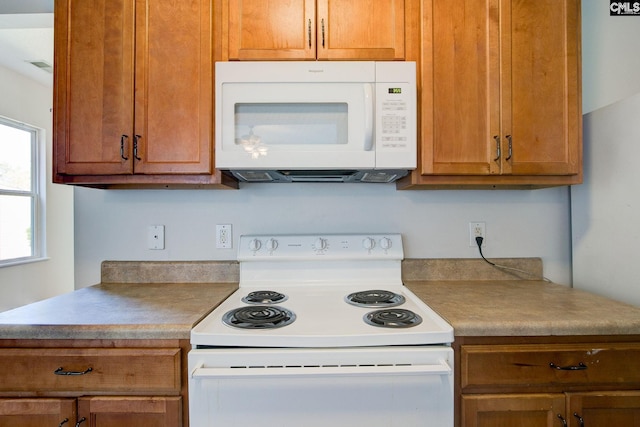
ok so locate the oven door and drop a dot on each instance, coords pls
(373, 387)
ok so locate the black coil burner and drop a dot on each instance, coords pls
(375, 298)
(264, 297)
(258, 317)
(393, 318)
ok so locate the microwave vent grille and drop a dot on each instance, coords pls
(379, 177)
(254, 176)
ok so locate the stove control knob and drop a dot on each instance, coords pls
(385, 243)
(320, 244)
(368, 243)
(271, 245)
(255, 245)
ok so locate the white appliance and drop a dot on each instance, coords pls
(337, 121)
(321, 332)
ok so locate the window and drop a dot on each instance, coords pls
(21, 209)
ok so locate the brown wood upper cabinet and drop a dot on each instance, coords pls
(133, 87)
(316, 29)
(500, 93)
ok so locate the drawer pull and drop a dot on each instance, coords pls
(80, 421)
(61, 371)
(580, 420)
(66, 420)
(562, 420)
(580, 367)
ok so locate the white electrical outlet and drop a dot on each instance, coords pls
(477, 229)
(224, 236)
(155, 237)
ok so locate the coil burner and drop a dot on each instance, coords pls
(258, 317)
(264, 297)
(393, 318)
(375, 298)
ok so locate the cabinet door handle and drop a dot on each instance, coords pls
(498, 150)
(322, 32)
(562, 420)
(80, 421)
(66, 420)
(61, 371)
(309, 33)
(580, 367)
(136, 138)
(580, 420)
(510, 139)
(123, 138)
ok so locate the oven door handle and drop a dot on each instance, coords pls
(440, 368)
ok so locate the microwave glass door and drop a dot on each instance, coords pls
(296, 123)
(270, 118)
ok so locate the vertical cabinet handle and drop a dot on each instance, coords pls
(309, 33)
(562, 420)
(123, 138)
(322, 32)
(580, 420)
(80, 421)
(63, 422)
(136, 138)
(510, 139)
(498, 150)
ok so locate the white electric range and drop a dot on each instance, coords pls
(324, 322)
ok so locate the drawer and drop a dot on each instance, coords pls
(90, 370)
(549, 366)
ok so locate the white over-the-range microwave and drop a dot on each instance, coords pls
(316, 121)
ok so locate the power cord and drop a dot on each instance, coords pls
(479, 241)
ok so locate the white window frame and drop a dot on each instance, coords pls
(36, 194)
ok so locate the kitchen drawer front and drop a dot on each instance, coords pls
(486, 367)
(90, 370)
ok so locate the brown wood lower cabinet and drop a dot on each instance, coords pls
(130, 411)
(93, 383)
(570, 381)
(522, 410)
(37, 412)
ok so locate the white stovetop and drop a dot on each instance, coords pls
(316, 273)
(323, 319)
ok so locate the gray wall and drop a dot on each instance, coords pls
(27, 101)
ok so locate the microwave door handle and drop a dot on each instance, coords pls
(368, 116)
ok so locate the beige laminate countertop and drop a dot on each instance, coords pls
(476, 299)
(525, 308)
(117, 311)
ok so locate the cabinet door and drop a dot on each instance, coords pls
(361, 29)
(173, 96)
(522, 410)
(341, 29)
(460, 87)
(540, 92)
(37, 412)
(271, 29)
(614, 408)
(130, 411)
(500, 88)
(93, 91)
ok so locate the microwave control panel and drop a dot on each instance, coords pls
(393, 121)
(396, 116)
